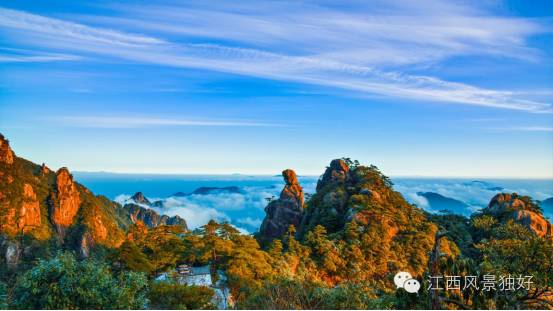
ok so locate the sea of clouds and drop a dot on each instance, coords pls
(245, 210)
(476, 194)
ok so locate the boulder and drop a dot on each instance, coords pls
(12, 254)
(507, 206)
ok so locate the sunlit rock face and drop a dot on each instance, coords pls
(511, 206)
(6, 153)
(22, 218)
(337, 172)
(285, 211)
(66, 201)
(43, 204)
(29, 214)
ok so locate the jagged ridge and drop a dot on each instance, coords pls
(46, 205)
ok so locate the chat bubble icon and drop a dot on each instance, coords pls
(401, 277)
(412, 286)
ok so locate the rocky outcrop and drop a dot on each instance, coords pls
(23, 218)
(140, 198)
(12, 253)
(44, 170)
(87, 242)
(43, 204)
(285, 211)
(358, 202)
(66, 201)
(151, 218)
(29, 214)
(337, 172)
(522, 210)
(6, 153)
(292, 192)
(97, 226)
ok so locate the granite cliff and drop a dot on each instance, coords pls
(356, 206)
(39, 207)
(521, 209)
(138, 212)
(285, 211)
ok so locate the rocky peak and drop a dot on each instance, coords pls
(140, 198)
(285, 211)
(507, 206)
(66, 200)
(151, 218)
(290, 177)
(503, 202)
(292, 190)
(337, 172)
(6, 153)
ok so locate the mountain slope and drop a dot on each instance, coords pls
(356, 227)
(51, 207)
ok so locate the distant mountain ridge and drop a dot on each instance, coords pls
(485, 185)
(439, 203)
(209, 190)
(149, 216)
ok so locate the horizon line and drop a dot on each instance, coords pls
(277, 174)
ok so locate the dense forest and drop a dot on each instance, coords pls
(65, 248)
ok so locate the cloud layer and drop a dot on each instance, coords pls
(245, 210)
(373, 48)
(474, 193)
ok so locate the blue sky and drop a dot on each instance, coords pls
(418, 88)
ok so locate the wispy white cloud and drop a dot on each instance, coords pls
(11, 55)
(36, 58)
(367, 48)
(526, 128)
(136, 122)
(58, 28)
(256, 223)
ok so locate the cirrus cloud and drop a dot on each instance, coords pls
(366, 49)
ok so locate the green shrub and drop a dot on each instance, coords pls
(172, 296)
(65, 283)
